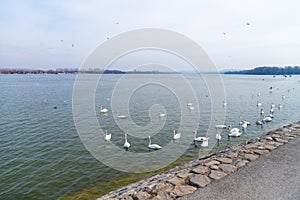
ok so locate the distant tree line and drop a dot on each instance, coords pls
(265, 70)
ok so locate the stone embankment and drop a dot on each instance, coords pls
(185, 179)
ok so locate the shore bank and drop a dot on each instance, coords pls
(186, 179)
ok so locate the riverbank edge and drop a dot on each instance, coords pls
(185, 179)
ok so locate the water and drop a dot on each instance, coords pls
(42, 156)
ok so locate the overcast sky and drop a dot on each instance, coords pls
(40, 34)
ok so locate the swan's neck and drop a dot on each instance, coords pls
(149, 141)
(125, 138)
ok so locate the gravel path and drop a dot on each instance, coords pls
(272, 176)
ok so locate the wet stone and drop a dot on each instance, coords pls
(200, 180)
(250, 157)
(201, 170)
(224, 160)
(276, 136)
(251, 146)
(185, 176)
(141, 195)
(161, 195)
(227, 168)
(214, 174)
(232, 155)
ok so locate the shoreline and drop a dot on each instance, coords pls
(186, 179)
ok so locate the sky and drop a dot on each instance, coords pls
(40, 34)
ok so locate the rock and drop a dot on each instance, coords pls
(269, 138)
(200, 180)
(215, 167)
(280, 140)
(227, 168)
(201, 170)
(181, 190)
(276, 136)
(213, 162)
(241, 163)
(224, 160)
(250, 157)
(214, 174)
(260, 152)
(251, 146)
(141, 195)
(161, 195)
(176, 181)
(185, 176)
(277, 144)
(269, 147)
(247, 151)
(232, 155)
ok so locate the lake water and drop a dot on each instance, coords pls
(42, 156)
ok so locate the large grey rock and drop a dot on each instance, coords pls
(200, 180)
(240, 163)
(224, 160)
(176, 181)
(213, 162)
(214, 174)
(260, 152)
(280, 140)
(141, 195)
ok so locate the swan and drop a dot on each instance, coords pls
(191, 107)
(283, 97)
(107, 136)
(259, 122)
(244, 125)
(218, 136)
(224, 103)
(162, 114)
(189, 104)
(199, 139)
(204, 143)
(121, 116)
(267, 119)
(234, 132)
(258, 104)
(272, 110)
(262, 112)
(103, 110)
(272, 105)
(221, 126)
(176, 135)
(126, 144)
(153, 146)
(280, 106)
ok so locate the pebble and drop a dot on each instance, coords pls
(215, 167)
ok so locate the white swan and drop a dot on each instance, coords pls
(259, 122)
(267, 119)
(234, 132)
(176, 135)
(126, 144)
(218, 136)
(189, 104)
(153, 146)
(204, 143)
(162, 114)
(258, 104)
(262, 112)
(107, 136)
(280, 106)
(272, 110)
(199, 139)
(224, 103)
(103, 110)
(191, 107)
(272, 105)
(221, 126)
(121, 116)
(244, 125)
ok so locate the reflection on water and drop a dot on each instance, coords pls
(42, 155)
